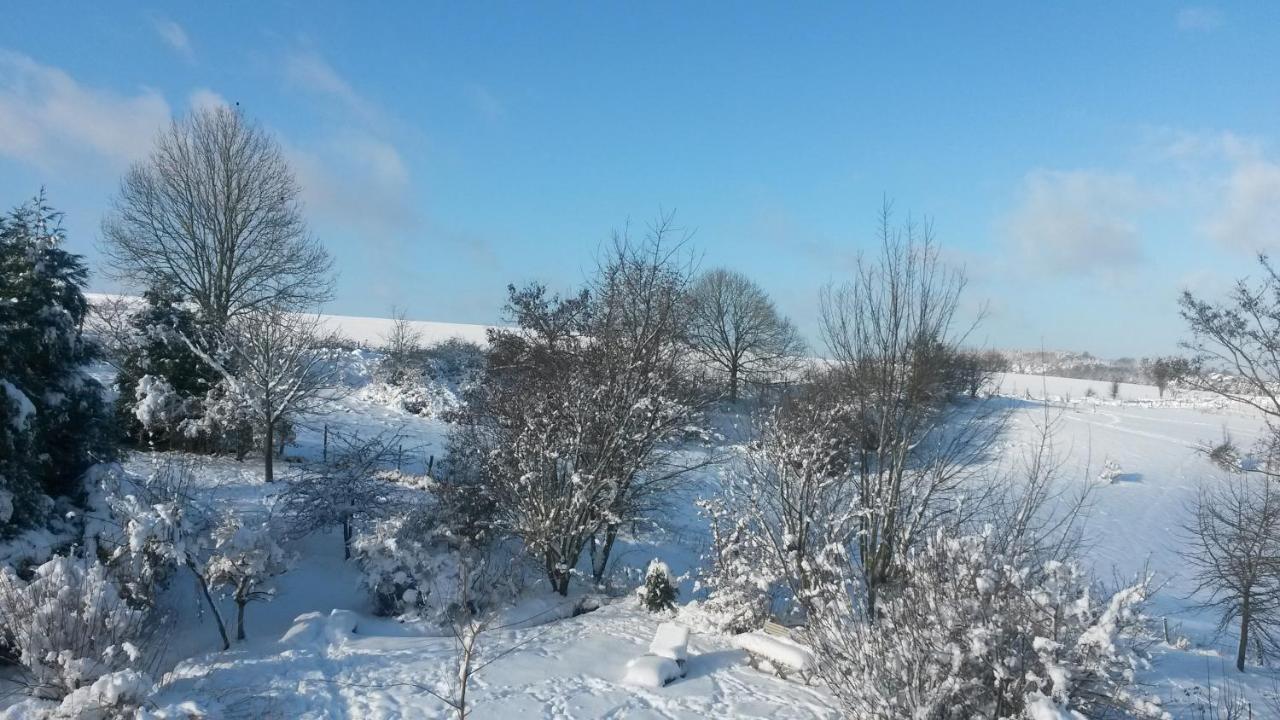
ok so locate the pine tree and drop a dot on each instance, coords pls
(659, 592)
(53, 421)
(158, 350)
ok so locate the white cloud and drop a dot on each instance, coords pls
(48, 119)
(1248, 214)
(202, 98)
(1077, 222)
(1198, 19)
(175, 37)
(357, 181)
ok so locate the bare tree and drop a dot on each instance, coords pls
(278, 364)
(1234, 550)
(351, 488)
(403, 347)
(1235, 345)
(214, 214)
(735, 327)
(892, 333)
(110, 322)
(571, 421)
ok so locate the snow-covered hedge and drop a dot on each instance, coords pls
(970, 631)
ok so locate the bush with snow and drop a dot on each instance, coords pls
(973, 631)
(734, 576)
(68, 625)
(659, 592)
(1110, 472)
(411, 565)
(246, 556)
(358, 485)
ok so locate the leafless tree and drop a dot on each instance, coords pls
(572, 420)
(1234, 549)
(110, 322)
(1235, 345)
(892, 333)
(735, 328)
(350, 488)
(214, 214)
(638, 335)
(403, 350)
(278, 364)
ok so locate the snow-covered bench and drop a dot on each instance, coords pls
(773, 646)
(666, 660)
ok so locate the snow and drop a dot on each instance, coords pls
(671, 642)
(778, 650)
(369, 331)
(25, 407)
(316, 651)
(651, 671)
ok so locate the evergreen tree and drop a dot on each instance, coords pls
(159, 351)
(53, 421)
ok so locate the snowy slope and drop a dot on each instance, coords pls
(371, 330)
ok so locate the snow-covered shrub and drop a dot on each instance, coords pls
(1110, 471)
(410, 566)
(157, 407)
(355, 486)
(226, 424)
(970, 631)
(737, 581)
(116, 695)
(155, 526)
(246, 556)
(454, 359)
(68, 626)
(659, 592)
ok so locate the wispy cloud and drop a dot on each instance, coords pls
(308, 70)
(48, 119)
(353, 175)
(1198, 19)
(1077, 222)
(175, 37)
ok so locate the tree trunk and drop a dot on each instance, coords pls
(240, 618)
(268, 447)
(733, 383)
(600, 556)
(213, 607)
(346, 538)
(1245, 619)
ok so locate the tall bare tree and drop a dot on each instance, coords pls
(735, 327)
(893, 332)
(214, 213)
(278, 365)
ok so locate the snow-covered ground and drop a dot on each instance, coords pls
(574, 667)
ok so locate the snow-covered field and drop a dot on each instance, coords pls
(356, 665)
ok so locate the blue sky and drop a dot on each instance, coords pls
(1083, 161)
